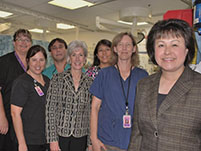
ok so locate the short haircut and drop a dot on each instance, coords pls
(117, 39)
(104, 42)
(23, 32)
(171, 28)
(77, 44)
(59, 40)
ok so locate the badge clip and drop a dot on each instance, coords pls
(127, 119)
(39, 91)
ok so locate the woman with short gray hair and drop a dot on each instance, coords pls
(68, 104)
(77, 44)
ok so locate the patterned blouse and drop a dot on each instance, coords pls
(93, 71)
(67, 110)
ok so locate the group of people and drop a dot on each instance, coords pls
(112, 106)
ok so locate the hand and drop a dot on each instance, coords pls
(90, 148)
(97, 145)
(22, 147)
(54, 146)
(3, 125)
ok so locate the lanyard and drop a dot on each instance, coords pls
(129, 80)
(19, 60)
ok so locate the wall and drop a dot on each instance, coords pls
(91, 38)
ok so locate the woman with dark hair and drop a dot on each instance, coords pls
(28, 99)
(168, 103)
(102, 57)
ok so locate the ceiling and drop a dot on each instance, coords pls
(39, 14)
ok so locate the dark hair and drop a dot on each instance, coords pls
(175, 28)
(23, 32)
(59, 40)
(117, 39)
(34, 50)
(105, 42)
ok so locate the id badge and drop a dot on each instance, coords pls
(39, 91)
(127, 121)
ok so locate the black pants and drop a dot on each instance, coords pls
(72, 143)
(37, 147)
(6, 143)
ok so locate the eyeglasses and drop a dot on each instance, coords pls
(23, 40)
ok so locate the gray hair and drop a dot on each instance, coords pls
(77, 44)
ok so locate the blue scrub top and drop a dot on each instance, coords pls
(51, 70)
(107, 87)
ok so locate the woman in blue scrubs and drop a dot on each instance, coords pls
(113, 96)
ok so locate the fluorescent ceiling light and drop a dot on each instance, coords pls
(142, 23)
(64, 26)
(70, 4)
(4, 14)
(124, 22)
(130, 23)
(4, 26)
(36, 30)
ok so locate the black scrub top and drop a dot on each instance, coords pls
(25, 95)
(10, 69)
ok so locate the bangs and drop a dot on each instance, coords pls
(25, 34)
(168, 33)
